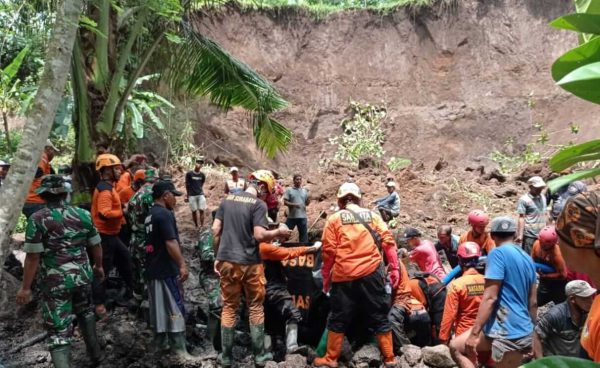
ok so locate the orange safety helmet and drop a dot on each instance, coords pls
(140, 175)
(548, 235)
(468, 250)
(107, 160)
(266, 177)
(478, 218)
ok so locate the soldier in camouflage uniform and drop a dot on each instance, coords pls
(57, 237)
(138, 209)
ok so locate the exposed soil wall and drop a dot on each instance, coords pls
(456, 80)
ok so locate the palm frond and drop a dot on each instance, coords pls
(201, 67)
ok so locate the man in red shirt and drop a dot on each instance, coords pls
(423, 253)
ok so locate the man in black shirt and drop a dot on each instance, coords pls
(240, 224)
(165, 271)
(194, 181)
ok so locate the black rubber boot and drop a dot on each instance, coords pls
(87, 325)
(61, 356)
(225, 358)
(161, 342)
(261, 357)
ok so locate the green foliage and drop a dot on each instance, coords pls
(180, 139)
(6, 152)
(21, 224)
(398, 163)
(142, 104)
(511, 163)
(578, 71)
(202, 68)
(362, 133)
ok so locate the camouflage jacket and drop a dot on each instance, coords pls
(61, 235)
(138, 209)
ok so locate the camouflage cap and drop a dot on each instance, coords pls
(54, 184)
(151, 174)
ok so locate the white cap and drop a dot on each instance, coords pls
(49, 144)
(4, 163)
(579, 288)
(536, 182)
(391, 184)
(349, 189)
(233, 169)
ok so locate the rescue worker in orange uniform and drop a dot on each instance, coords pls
(410, 321)
(478, 234)
(128, 169)
(126, 193)
(34, 202)
(464, 294)
(107, 215)
(278, 299)
(431, 293)
(239, 226)
(546, 251)
(354, 267)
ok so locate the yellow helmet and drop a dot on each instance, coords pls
(349, 189)
(266, 177)
(106, 160)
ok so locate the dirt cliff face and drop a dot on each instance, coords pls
(457, 81)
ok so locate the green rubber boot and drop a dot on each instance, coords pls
(225, 358)
(161, 342)
(261, 357)
(61, 356)
(178, 347)
(87, 325)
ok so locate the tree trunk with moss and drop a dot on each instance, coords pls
(39, 121)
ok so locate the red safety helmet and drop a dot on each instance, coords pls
(478, 218)
(548, 235)
(468, 250)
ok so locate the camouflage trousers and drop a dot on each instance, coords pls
(58, 308)
(138, 257)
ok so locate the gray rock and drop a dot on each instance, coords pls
(438, 356)
(272, 364)
(367, 356)
(293, 361)
(402, 363)
(412, 354)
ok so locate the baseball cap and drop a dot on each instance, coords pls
(162, 187)
(349, 189)
(411, 232)
(200, 159)
(391, 184)
(49, 144)
(579, 288)
(139, 175)
(233, 169)
(577, 187)
(503, 224)
(4, 163)
(536, 182)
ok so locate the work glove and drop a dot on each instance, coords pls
(394, 276)
(391, 253)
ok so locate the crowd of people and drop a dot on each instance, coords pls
(477, 292)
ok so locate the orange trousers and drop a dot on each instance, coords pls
(238, 278)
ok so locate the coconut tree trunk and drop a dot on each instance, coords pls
(38, 122)
(6, 131)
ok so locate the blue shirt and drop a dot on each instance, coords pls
(510, 318)
(391, 202)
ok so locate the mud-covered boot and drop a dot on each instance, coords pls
(335, 342)
(61, 356)
(178, 345)
(87, 325)
(225, 358)
(291, 340)
(161, 342)
(257, 334)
